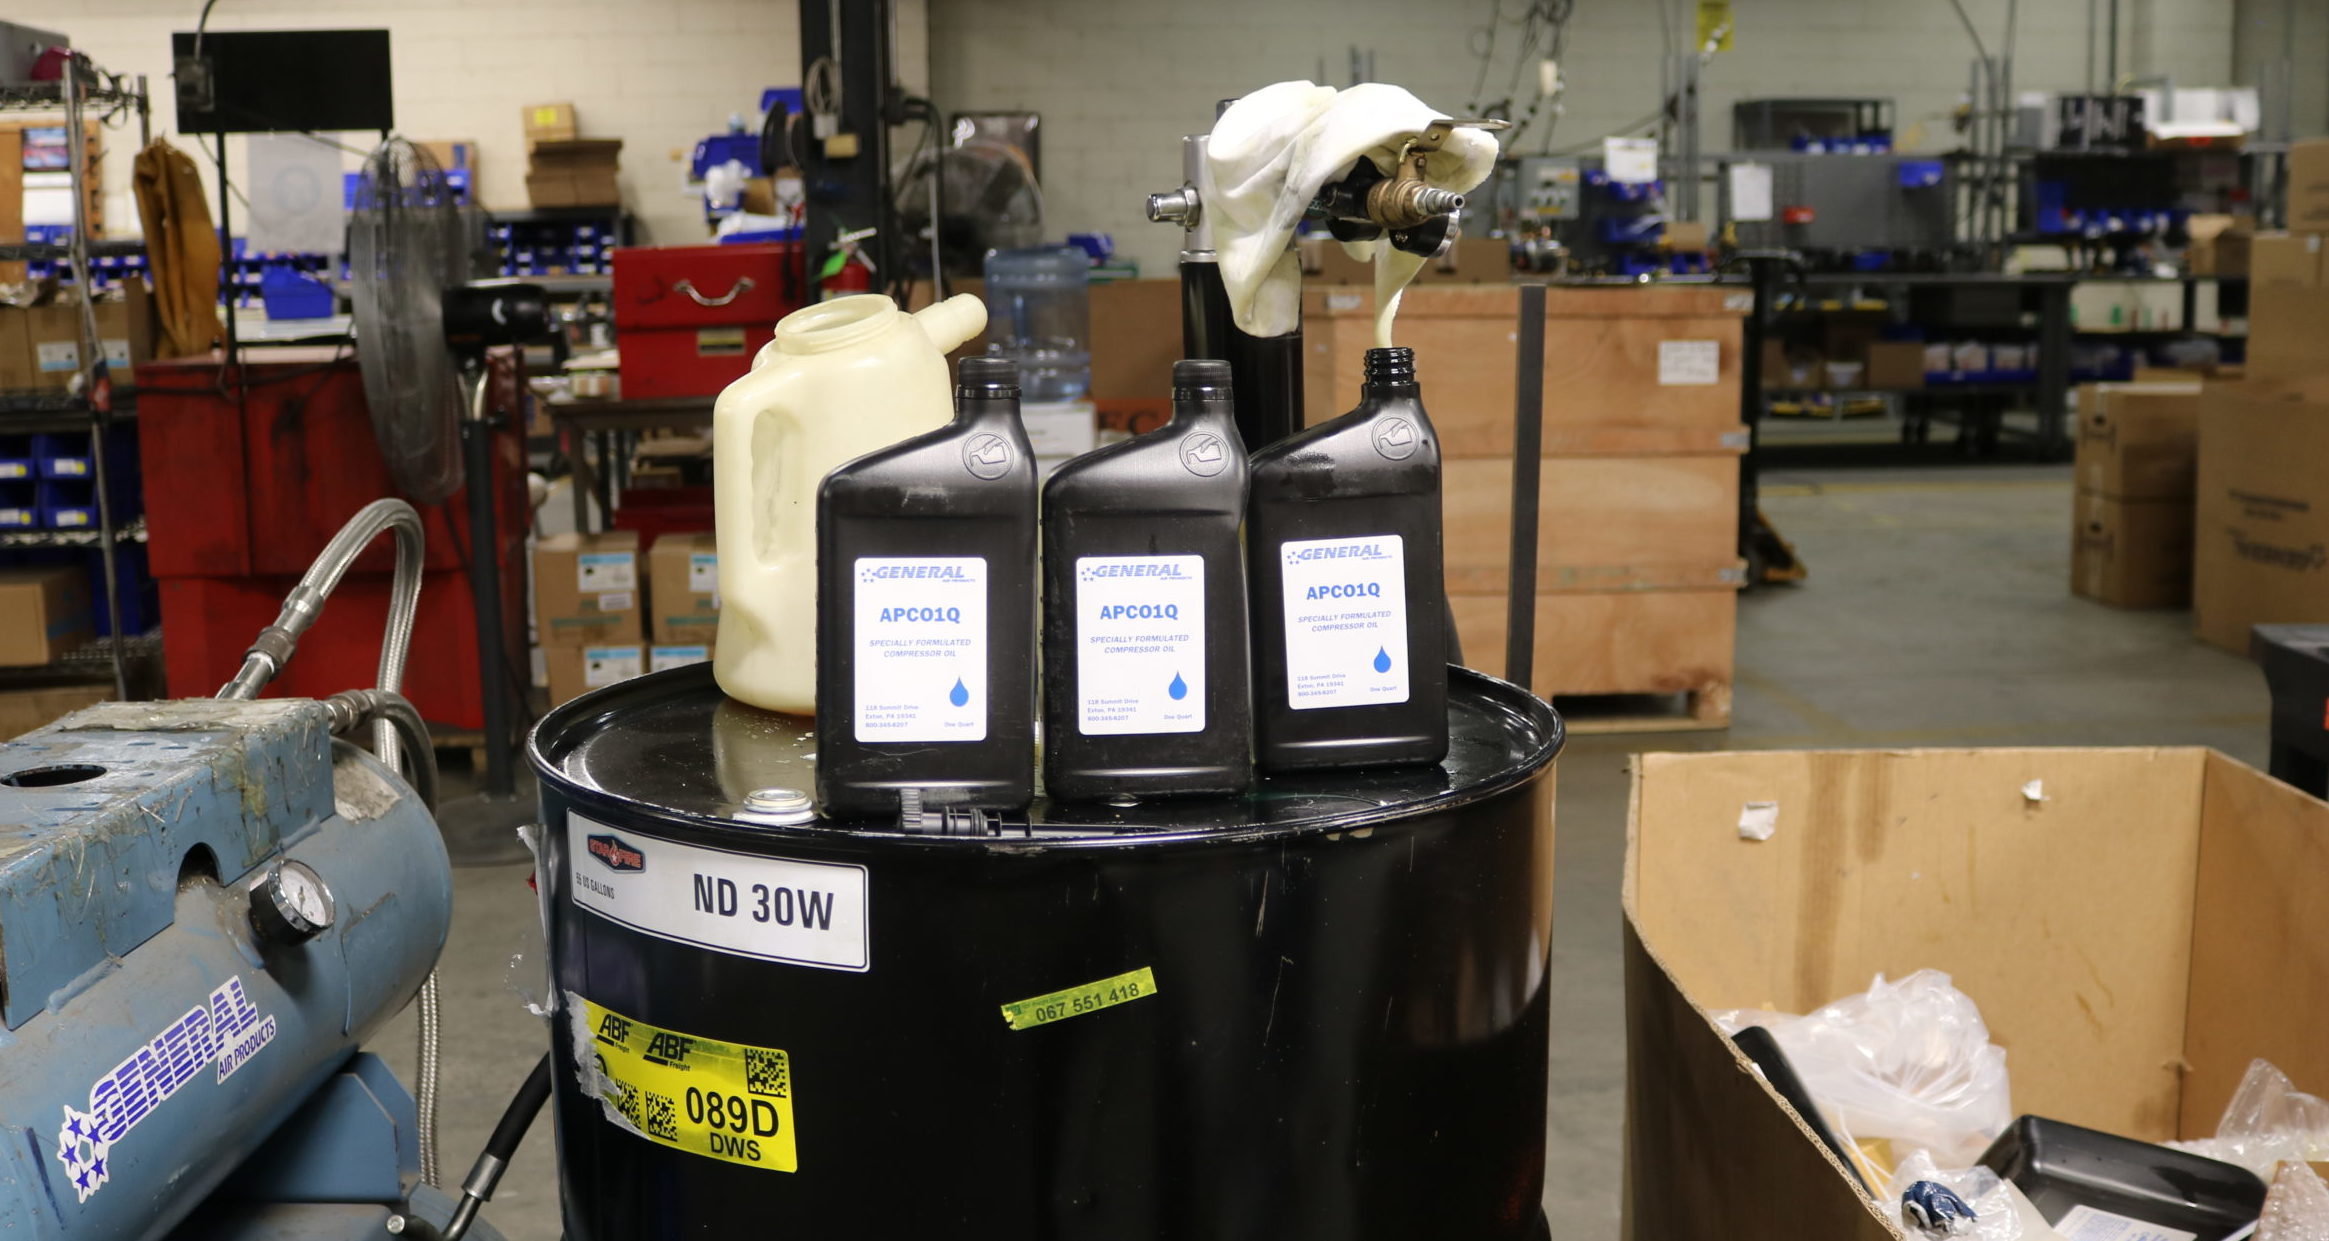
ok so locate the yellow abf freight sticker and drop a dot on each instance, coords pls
(720, 1100)
(1076, 1001)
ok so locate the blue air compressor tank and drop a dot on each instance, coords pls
(157, 1027)
(1316, 1011)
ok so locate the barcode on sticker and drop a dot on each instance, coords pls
(2084, 1223)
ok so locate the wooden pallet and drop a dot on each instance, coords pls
(1698, 710)
(450, 742)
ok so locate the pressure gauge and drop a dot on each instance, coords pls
(291, 905)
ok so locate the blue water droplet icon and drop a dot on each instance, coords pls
(1179, 689)
(958, 695)
(1382, 660)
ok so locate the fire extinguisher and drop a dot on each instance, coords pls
(846, 270)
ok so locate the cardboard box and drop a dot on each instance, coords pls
(660, 658)
(22, 710)
(2308, 201)
(575, 670)
(2138, 441)
(53, 333)
(2220, 246)
(1896, 364)
(587, 589)
(683, 589)
(127, 326)
(16, 368)
(574, 172)
(2261, 539)
(550, 122)
(452, 153)
(2132, 553)
(2285, 258)
(43, 614)
(1135, 338)
(2287, 324)
(2135, 933)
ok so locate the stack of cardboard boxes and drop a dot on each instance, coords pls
(2138, 448)
(604, 613)
(2261, 542)
(40, 346)
(564, 169)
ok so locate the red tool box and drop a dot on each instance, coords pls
(241, 495)
(689, 318)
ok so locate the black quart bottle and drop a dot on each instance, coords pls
(926, 614)
(1349, 609)
(1147, 688)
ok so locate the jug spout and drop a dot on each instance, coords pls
(954, 321)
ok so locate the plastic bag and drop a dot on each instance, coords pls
(2298, 1209)
(2000, 1212)
(1909, 1061)
(2268, 1121)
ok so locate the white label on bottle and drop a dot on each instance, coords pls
(1346, 621)
(775, 909)
(2084, 1223)
(605, 665)
(921, 652)
(703, 573)
(1140, 634)
(596, 571)
(1689, 362)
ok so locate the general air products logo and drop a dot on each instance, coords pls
(1203, 454)
(222, 1034)
(987, 456)
(617, 854)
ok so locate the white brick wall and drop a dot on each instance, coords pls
(659, 74)
(2260, 36)
(1118, 81)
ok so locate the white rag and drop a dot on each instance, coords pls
(1273, 150)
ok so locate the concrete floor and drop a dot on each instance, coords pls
(1937, 614)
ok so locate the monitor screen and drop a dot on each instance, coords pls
(263, 81)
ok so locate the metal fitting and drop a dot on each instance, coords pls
(1175, 207)
(1405, 203)
(777, 807)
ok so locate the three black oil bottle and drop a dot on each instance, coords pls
(926, 616)
(1349, 615)
(1147, 687)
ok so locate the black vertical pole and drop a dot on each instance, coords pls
(485, 587)
(1528, 437)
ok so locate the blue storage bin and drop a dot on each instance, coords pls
(16, 458)
(64, 456)
(19, 506)
(292, 294)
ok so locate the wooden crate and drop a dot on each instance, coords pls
(1602, 361)
(1604, 523)
(1675, 642)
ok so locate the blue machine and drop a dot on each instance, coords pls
(206, 907)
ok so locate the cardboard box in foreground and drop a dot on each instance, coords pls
(2260, 544)
(2134, 938)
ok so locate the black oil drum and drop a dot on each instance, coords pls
(1318, 1012)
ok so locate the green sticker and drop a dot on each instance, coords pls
(1076, 1001)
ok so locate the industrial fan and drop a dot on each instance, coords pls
(409, 240)
(986, 198)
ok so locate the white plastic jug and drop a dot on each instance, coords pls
(840, 379)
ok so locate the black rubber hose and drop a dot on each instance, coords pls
(500, 1149)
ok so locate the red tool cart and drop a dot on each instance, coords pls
(689, 318)
(241, 494)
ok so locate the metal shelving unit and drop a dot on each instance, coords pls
(81, 88)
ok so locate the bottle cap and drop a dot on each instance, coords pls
(987, 377)
(1193, 375)
(1390, 366)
